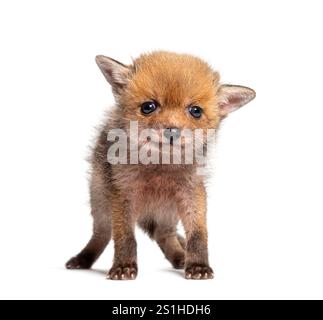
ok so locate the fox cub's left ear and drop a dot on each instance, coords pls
(232, 97)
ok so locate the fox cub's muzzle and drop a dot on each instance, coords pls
(172, 134)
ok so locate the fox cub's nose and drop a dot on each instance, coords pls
(172, 134)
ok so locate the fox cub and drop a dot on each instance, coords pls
(168, 93)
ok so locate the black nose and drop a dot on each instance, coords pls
(172, 134)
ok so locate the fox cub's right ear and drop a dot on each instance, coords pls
(116, 73)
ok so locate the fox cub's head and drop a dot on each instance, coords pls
(164, 90)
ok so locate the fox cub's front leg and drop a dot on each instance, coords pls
(193, 216)
(125, 255)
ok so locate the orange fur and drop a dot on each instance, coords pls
(175, 81)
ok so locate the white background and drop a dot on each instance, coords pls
(265, 198)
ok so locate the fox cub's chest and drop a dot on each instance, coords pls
(157, 195)
(155, 185)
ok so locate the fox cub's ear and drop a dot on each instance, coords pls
(116, 73)
(233, 97)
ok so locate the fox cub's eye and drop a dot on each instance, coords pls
(195, 111)
(148, 107)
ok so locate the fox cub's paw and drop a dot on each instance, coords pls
(79, 262)
(199, 272)
(123, 272)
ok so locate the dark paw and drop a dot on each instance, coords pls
(199, 272)
(178, 261)
(123, 272)
(79, 262)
